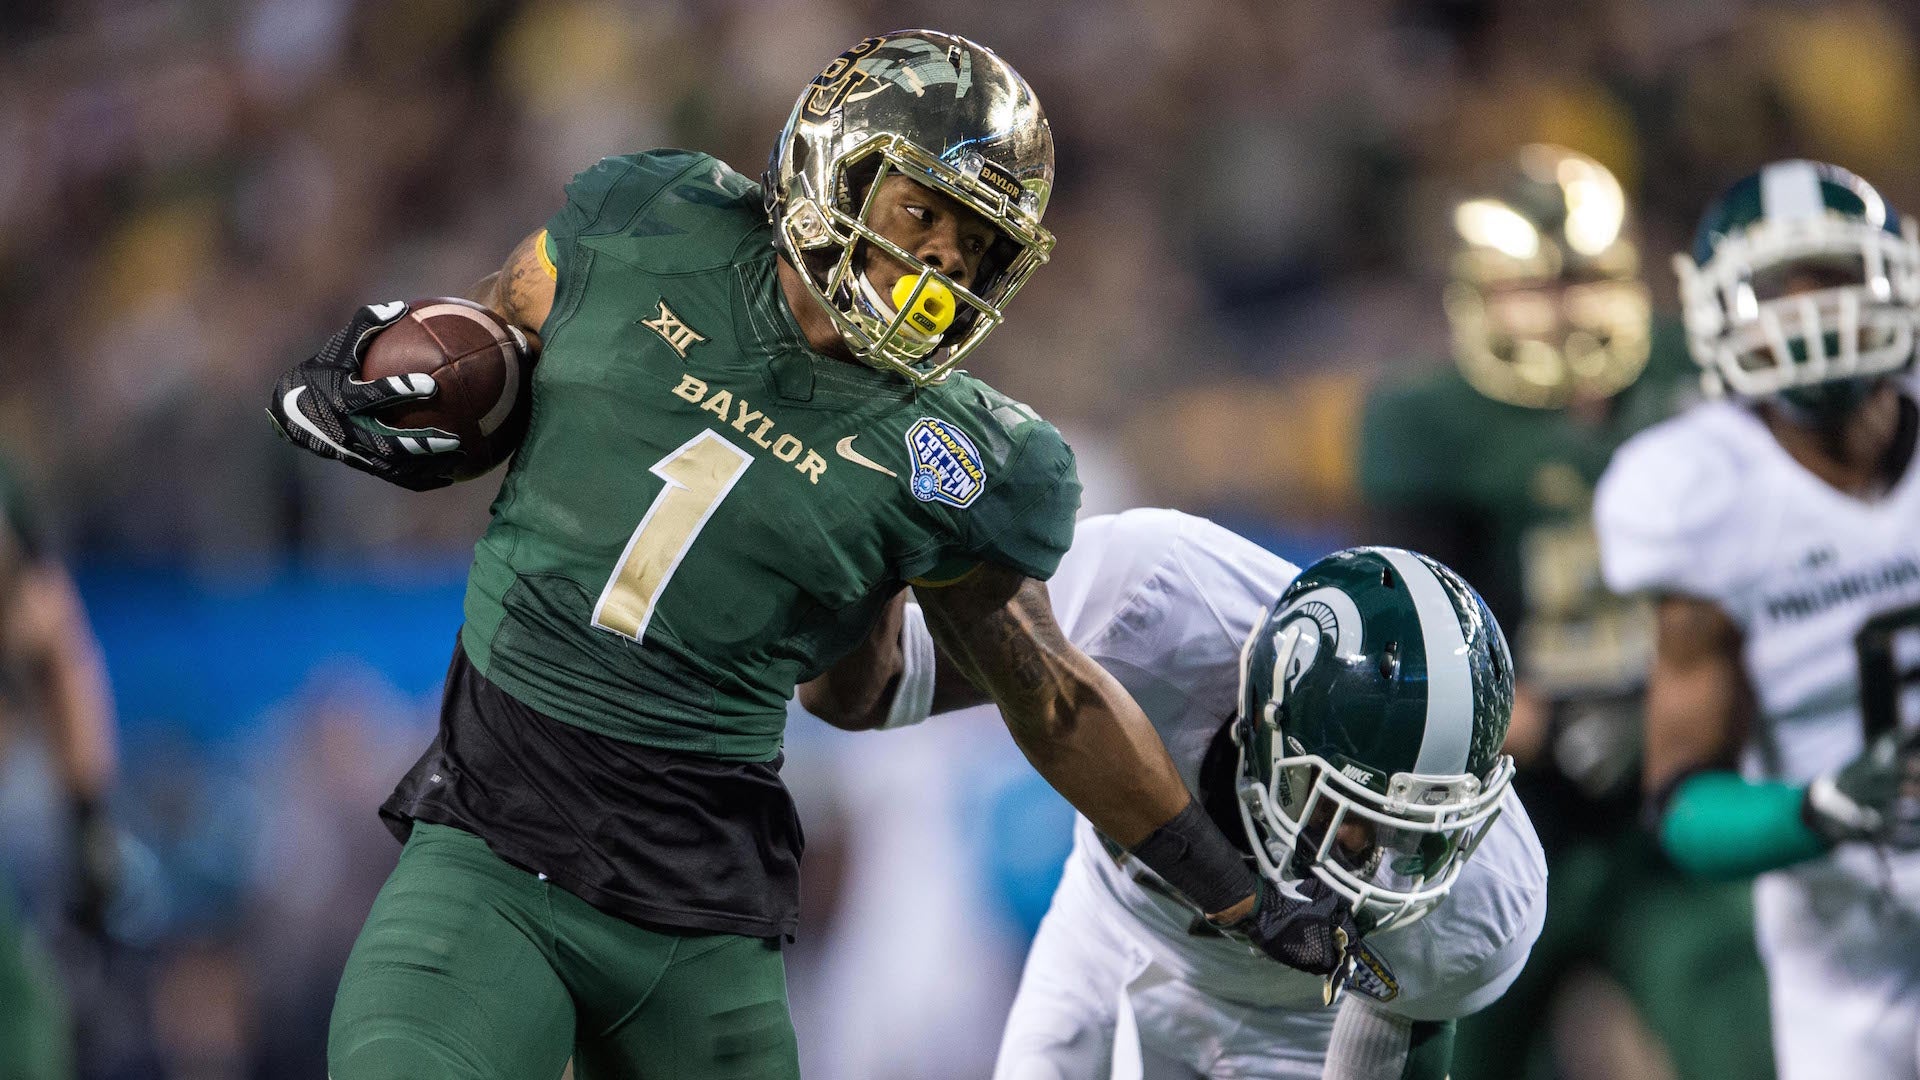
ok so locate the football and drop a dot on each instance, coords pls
(482, 364)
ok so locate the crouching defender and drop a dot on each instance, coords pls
(1349, 733)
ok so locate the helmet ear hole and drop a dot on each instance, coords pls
(1386, 577)
(1390, 661)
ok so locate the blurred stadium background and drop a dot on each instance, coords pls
(1250, 208)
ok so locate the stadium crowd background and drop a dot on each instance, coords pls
(1249, 207)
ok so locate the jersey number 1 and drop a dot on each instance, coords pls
(698, 476)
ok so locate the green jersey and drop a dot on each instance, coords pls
(705, 511)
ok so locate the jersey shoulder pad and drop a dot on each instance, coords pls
(1407, 431)
(1463, 956)
(1018, 510)
(670, 211)
(1670, 508)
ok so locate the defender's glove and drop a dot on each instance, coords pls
(322, 406)
(1304, 925)
(1873, 798)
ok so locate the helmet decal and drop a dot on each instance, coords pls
(1450, 700)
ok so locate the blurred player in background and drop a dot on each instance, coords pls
(1306, 725)
(1772, 526)
(747, 436)
(1490, 467)
(50, 669)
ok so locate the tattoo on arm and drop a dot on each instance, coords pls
(520, 290)
(997, 628)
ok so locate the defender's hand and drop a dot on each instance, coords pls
(1872, 798)
(321, 406)
(1306, 926)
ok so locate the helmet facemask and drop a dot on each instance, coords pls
(1755, 337)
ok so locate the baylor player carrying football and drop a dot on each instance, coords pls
(748, 436)
(1489, 466)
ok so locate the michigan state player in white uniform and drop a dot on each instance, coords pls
(1363, 778)
(1780, 529)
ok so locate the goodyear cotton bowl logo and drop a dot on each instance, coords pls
(946, 468)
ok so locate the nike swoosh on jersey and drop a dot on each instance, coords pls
(845, 449)
(291, 406)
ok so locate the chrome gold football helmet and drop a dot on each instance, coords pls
(1544, 295)
(1376, 691)
(949, 114)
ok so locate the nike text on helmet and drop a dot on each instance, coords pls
(1376, 690)
(1544, 295)
(1753, 329)
(947, 113)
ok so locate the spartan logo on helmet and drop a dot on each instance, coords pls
(947, 113)
(1375, 696)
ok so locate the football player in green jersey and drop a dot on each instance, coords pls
(50, 666)
(1490, 466)
(748, 436)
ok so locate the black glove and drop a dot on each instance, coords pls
(96, 866)
(1306, 926)
(321, 405)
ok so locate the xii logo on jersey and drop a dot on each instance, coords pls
(946, 467)
(677, 333)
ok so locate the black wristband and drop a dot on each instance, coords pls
(1191, 854)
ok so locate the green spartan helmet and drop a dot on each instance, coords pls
(1376, 691)
(1803, 284)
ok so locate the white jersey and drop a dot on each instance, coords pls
(1709, 505)
(1163, 601)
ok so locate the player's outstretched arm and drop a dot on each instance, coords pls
(1073, 720)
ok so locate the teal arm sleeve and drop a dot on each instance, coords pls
(1720, 826)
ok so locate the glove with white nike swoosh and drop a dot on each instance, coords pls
(321, 405)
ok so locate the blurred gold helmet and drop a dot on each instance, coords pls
(1544, 294)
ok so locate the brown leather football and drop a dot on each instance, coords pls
(480, 363)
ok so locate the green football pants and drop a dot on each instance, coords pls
(1681, 949)
(471, 969)
(35, 1042)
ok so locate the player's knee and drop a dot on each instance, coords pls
(393, 1056)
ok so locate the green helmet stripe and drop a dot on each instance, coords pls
(1448, 737)
(1790, 190)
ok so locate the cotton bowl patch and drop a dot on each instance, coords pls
(946, 467)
